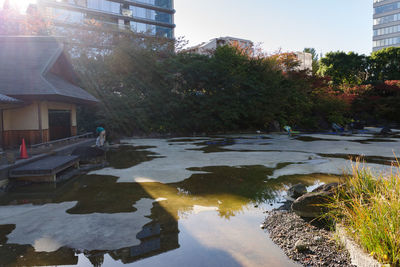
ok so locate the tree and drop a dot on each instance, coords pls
(315, 59)
(146, 89)
(344, 69)
(14, 23)
(385, 64)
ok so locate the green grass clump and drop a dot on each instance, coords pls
(369, 208)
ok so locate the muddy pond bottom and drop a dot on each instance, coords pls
(178, 202)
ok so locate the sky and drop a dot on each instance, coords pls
(20, 4)
(289, 25)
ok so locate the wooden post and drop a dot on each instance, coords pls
(40, 123)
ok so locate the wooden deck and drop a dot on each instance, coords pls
(44, 170)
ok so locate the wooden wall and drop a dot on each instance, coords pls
(13, 138)
(74, 130)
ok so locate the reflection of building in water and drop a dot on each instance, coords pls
(156, 237)
(159, 236)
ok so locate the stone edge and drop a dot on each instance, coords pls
(357, 255)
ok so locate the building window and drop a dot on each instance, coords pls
(387, 30)
(386, 8)
(143, 28)
(150, 14)
(163, 17)
(74, 2)
(387, 19)
(158, 3)
(164, 32)
(64, 15)
(387, 42)
(143, 13)
(105, 5)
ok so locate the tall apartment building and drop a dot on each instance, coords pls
(386, 24)
(151, 17)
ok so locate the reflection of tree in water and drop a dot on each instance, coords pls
(229, 189)
(95, 257)
(127, 156)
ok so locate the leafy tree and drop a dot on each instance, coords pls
(14, 23)
(315, 59)
(146, 89)
(349, 69)
(385, 64)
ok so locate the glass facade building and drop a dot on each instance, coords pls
(149, 17)
(386, 24)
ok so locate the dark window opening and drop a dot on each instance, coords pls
(59, 124)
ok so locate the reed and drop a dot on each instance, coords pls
(368, 206)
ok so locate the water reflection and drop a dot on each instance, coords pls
(209, 219)
(128, 156)
(227, 190)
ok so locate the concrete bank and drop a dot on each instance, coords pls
(357, 255)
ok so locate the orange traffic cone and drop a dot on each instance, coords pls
(23, 154)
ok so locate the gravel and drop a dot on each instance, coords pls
(303, 241)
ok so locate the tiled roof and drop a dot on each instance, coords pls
(25, 70)
(8, 100)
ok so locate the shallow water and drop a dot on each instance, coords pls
(186, 201)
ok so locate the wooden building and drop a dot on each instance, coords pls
(41, 90)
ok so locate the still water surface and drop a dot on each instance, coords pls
(208, 214)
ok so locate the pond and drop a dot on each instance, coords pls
(176, 202)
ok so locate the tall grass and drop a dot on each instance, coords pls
(369, 208)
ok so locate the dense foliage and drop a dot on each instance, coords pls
(144, 89)
(349, 69)
(370, 84)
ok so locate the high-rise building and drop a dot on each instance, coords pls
(386, 24)
(150, 17)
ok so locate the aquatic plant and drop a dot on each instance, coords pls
(368, 206)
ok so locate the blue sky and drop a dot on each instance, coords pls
(327, 25)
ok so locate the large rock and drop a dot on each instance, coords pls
(386, 131)
(313, 204)
(326, 187)
(301, 246)
(296, 191)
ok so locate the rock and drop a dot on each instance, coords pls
(285, 228)
(326, 187)
(88, 153)
(312, 205)
(317, 239)
(296, 191)
(386, 130)
(301, 246)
